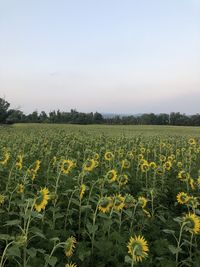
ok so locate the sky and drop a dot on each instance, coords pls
(110, 56)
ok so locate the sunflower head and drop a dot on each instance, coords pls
(138, 248)
(125, 164)
(182, 198)
(183, 176)
(89, 165)
(167, 165)
(192, 223)
(111, 176)
(70, 265)
(105, 204)
(144, 167)
(122, 179)
(20, 188)
(2, 199)
(191, 141)
(152, 165)
(142, 201)
(82, 190)
(70, 246)
(67, 165)
(118, 201)
(109, 156)
(41, 199)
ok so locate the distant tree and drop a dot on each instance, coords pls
(15, 116)
(97, 118)
(4, 106)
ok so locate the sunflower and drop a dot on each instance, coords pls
(193, 202)
(142, 201)
(142, 150)
(89, 165)
(167, 165)
(18, 164)
(129, 201)
(70, 265)
(67, 165)
(152, 165)
(191, 141)
(2, 199)
(182, 198)
(138, 248)
(192, 223)
(118, 202)
(96, 156)
(130, 155)
(42, 199)
(179, 165)
(125, 164)
(162, 158)
(20, 188)
(70, 246)
(191, 182)
(108, 156)
(123, 179)
(111, 176)
(105, 204)
(183, 175)
(82, 190)
(144, 167)
(5, 159)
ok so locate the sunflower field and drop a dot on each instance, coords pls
(80, 196)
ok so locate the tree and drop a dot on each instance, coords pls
(4, 106)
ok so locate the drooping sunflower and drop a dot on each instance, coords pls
(111, 176)
(70, 246)
(108, 156)
(142, 201)
(118, 202)
(138, 248)
(42, 199)
(193, 202)
(82, 190)
(105, 204)
(182, 198)
(192, 223)
(89, 165)
(67, 165)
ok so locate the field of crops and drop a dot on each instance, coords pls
(95, 196)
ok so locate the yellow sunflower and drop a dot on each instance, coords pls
(89, 165)
(67, 165)
(142, 201)
(118, 202)
(152, 165)
(182, 198)
(42, 199)
(2, 199)
(5, 159)
(138, 248)
(70, 246)
(192, 223)
(108, 156)
(19, 162)
(191, 141)
(144, 167)
(105, 204)
(111, 176)
(183, 175)
(125, 164)
(167, 165)
(82, 190)
(122, 179)
(20, 188)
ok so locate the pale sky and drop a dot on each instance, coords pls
(111, 56)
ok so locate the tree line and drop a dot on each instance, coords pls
(10, 116)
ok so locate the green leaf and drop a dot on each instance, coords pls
(174, 249)
(167, 231)
(12, 222)
(51, 261)
(13, 251)
(128, 259)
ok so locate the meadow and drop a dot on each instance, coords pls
(99, 195)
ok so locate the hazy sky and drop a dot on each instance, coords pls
(123, 56)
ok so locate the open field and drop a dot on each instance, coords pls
(99, 196)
